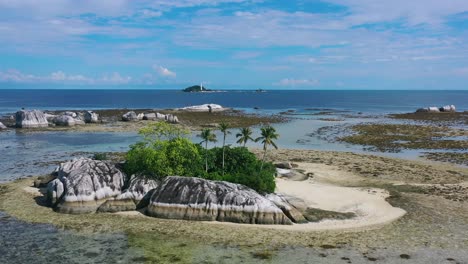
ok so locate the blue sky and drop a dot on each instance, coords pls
(229, 44)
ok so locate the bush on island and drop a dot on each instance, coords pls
(165, 151)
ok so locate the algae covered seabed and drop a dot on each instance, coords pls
(433, 230)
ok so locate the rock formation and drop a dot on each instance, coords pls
(171, 119)
(82, 185)
(130, 116)
(72, 114)
(433, 109)
(64, 120)
(2, 126)
(91, 117)
(149, 116)
(31, 119)
(134, 197)
(291, 207)
(200, 199)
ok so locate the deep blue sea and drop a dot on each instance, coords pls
(365, 101)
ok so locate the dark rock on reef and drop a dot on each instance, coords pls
(195, 89)
(82, 185)
(91, 117)
(204, 200)
(42, 181)
(31, 119)
(134, 197)
(130, 116)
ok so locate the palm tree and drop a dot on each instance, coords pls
(207, 136)
(223, 127)
(268, 134)
(244, 135)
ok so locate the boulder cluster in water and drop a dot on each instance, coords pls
(87, 186)
(39, 119)
(434, 109)
(132, 116)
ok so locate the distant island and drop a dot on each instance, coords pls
(196, 89)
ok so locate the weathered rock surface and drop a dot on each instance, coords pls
(31, 119)
(433, 109)
(130, 116)
(64, 120)
(2, 126)
(140, 116)
(69, 113)
(171, 119)
(49, 117)
(287, 205)
(204, 200)
(134, 197)
(91, 117)
(149, 116)
(83, 184)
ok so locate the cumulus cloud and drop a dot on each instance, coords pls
(164, 72)
(297, 82)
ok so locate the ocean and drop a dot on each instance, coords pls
(355, 100)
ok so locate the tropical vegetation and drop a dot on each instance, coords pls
(166, 151)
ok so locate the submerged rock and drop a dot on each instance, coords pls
(130, 116)
(204, 200)
(64, 120)
(86, 184)
(134, 197)
(91, 117)
(31, 119)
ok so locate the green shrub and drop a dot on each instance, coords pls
(177, 156)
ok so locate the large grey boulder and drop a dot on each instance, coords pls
(64, 120)
(135, 196)
(50, 118)
(31, 119)
(149, 116)
(292, 207)
(91, 117)
(130, 116)
(160, 116)
(83, 184)
(204, 200)
(2, 126)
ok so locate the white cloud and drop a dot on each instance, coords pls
(148, 13)
(297, 82)
(115, 78)
(165, 72)
(15, 76)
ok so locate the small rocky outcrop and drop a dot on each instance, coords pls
(135, 196)
(50, 118)
(64, 120)
(91, 117)
(31, 119)
(434, 109)
(83, 184)
(291, 174)
(171, 119)
(2, 126)
(204, 200)
(130, 116)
